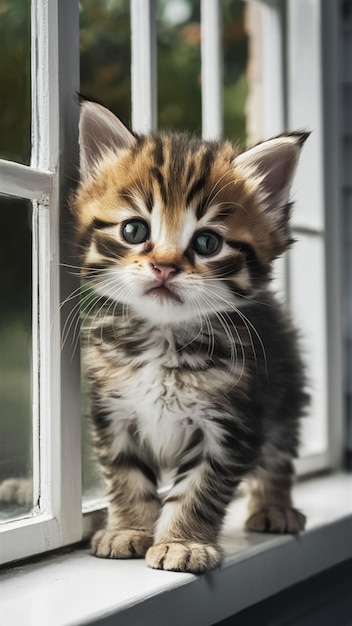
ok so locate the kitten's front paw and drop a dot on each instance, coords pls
(121, 544)
(183, 557)
(272, 519)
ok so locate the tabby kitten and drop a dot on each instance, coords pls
(193, 365)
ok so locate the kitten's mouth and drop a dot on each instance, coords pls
(163, 293)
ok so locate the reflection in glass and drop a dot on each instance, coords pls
(15, 80)
(15, 357)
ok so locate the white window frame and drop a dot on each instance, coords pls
(293, 70)
(295, 97)
(55, 36)
(56, 519)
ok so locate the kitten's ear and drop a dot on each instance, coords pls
(272, 164)
(99, 129)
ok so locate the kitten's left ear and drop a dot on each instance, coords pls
(99, 130)
(272, 165)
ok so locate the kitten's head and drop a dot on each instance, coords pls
(177, 227)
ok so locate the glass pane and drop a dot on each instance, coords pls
(15, 80)
(105, 62)
(105, 54)
(15, 358)
(179, 67)
(307, 287)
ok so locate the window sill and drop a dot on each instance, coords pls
(68, 589)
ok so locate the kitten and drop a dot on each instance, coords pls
(193, 365)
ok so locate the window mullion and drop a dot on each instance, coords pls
(45, 85)
(307, 269)
(144, 65)
(55, 78)
(211, 54)
(70, 392)
(273, 68)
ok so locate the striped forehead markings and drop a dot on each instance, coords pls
(157, 174)
(176, 164)
(188, 163)
(207, 160)
(159, 152)
(138, 199)
(149, 200)
(190, 172)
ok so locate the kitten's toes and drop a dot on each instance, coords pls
(272, 519)
(121, 544)
(17, 490)
(183, 557)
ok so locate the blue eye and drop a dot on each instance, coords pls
(206, 243)
(135, 231)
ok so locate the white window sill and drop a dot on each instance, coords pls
(76, 589)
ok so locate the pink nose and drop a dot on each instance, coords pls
(163, 272)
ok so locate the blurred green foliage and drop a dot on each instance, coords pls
(15, 80)
(105, 53)
(106, 59)
(105, 66)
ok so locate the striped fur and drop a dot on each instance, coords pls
(193, 366)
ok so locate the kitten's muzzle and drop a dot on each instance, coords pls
(164, 293)
(163, 272)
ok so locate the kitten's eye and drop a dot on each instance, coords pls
(206, 243)
(135, 231)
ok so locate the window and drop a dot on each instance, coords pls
(39, 382)
(271, 81)
(288, 75)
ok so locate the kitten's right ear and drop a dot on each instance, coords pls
(99, 130)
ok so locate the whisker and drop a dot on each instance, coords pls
(233, 346)
(75, 316)
(248, 324)
(211, 345)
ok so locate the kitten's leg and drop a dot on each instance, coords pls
(270, 504)
(186, 536)
(133, 510)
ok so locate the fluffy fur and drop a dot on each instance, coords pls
(193, 366)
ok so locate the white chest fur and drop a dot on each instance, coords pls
(164, 401)
(164, 412)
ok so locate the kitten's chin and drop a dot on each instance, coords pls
(161, 307)
(163, 294)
